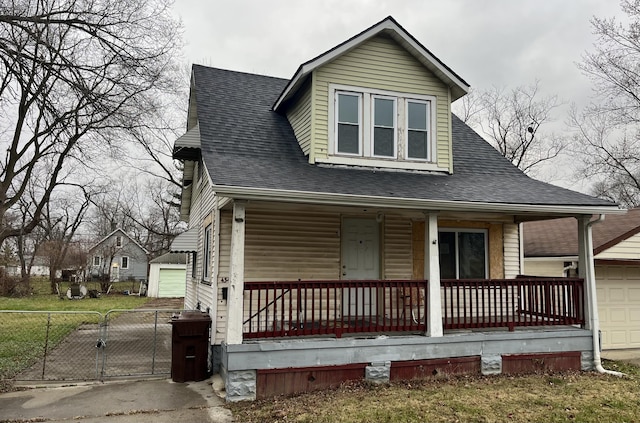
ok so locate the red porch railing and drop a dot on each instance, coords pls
(302, 308)
(298, 308)
(468, 304)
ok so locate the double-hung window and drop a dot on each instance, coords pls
(384, 126)
(418, 133)
(124, 262)
(463, 253)
(206, 262)
(349, 125)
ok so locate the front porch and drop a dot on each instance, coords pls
(274, 309)
(305, 335)
(397, 294)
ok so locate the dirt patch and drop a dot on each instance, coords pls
(164, 303)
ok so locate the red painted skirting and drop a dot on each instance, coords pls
(272, 382)
(533, 363)
(420, 369)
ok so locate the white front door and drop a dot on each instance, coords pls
(360, 260)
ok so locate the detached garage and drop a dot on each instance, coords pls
(167, 276)
(551, 249)
(618, 290)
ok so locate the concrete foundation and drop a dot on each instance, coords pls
(239, 362)
(491, 364)
(378, 373)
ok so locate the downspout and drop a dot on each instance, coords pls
(595, 320)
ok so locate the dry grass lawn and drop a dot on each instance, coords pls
(563, 397)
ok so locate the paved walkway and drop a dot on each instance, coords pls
(160, 401)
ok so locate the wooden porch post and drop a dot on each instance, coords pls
(235, 297)
(432, 274)
(585, 267)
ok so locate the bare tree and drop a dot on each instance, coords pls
(470, 107)
(75, 77)
(156, 215)
(60, 221)
(608, 130)
(514, 122)
(141, 205)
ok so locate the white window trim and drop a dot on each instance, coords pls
(431, 124)
(122, 260)
(457, 252)
(372, 126)
(118, 240)
(400, 161)
(360, 123)
(206, 252)
(99, 260)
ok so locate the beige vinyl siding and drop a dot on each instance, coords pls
(511, 235)
(398, 260)
(286, 244)
(380, 63)
(629, 249)
(223, 275)
(292, 245)
(299, 117)
(550, 268)
(203, 203)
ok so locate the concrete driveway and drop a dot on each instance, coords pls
(631, 355)
(159, 400)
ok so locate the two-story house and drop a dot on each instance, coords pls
(345, 224)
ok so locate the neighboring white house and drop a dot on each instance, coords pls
(167, 276)
(551, 249)
(39, 267)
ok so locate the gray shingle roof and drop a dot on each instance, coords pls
(246, 144)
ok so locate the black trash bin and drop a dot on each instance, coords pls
(190, 346)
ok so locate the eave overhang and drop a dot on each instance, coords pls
(392, 28)
(522, 210)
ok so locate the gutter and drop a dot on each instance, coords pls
(246, 193)
(595, 319)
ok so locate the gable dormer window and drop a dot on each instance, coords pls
(384, 127)
(349, 128)
(418, 133)
(381, 128)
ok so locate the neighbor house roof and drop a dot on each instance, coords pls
(170, 258)
(388, 26)
(113, 233)
(249, 150)
(559, 237)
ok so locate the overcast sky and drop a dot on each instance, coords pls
(505, 43)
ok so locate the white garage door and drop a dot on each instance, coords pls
(172, 283)
(619, 305)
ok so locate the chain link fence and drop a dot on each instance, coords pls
(59, 346)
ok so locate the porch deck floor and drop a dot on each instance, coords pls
(390, 327)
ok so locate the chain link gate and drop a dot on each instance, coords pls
(137, 342)
(64, 345)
